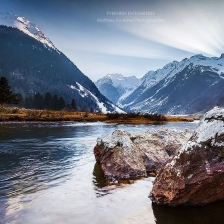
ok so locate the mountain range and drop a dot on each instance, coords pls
(116, 87)
(193, 85)
(32, 64)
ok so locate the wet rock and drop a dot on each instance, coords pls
(196, 174)
(125, 155)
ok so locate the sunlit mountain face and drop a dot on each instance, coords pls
(32, 64)
(190, 86)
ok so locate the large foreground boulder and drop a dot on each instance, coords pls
(196, 174)
(125, 155)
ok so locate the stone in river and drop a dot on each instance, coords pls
(125, 155)
(196, 174)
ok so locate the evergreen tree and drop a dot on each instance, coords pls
(6, 95)
(55, 103)
(61, 103)
(48, 101)
(20, 99)
(29, 102)
(84, 109)
(38, 101)
(73, 105)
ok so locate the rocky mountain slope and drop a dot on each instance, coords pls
(189, 86)
(31, 63)
(116, 87)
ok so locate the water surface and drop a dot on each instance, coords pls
(48, 174)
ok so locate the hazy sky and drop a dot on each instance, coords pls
(103, 37)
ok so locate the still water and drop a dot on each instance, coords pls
(48, 174)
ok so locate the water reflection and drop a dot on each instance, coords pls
(102, 186)
(43, 159)
(99, 180)
(208, 214)
(46, 165)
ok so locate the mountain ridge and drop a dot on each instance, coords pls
(26, 27)
(32, 66)
(157, 90)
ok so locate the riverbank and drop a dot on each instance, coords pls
(46, 166)
(14, 114)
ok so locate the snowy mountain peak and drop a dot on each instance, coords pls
(153, 77)
(116, 76)
(215, 63)
(198, 56)
(40, 68)
(116, 86)
(171, 69)
(25, 26)
(118, 80)
(192, 85)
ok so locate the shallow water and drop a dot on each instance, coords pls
(48, 174)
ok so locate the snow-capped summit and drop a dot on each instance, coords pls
(116, 86)
(153, 77)
(215, 64)
(25, 26)
(119, 80)
(192, 85)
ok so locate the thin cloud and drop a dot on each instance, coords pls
(193, 30)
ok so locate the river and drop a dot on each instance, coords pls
(48, 174)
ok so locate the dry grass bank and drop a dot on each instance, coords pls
(14, 114)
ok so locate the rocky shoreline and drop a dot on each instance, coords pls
(195, 175)
(189, 165)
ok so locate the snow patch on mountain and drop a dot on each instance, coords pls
(86, 93)
(25, 26)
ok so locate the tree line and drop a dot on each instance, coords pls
(6, 95)
(48, 102)
(37, 101)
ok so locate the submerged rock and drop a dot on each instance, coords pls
(196, 174)
(125, 155)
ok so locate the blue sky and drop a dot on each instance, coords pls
(124, 41)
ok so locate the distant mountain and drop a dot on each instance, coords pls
(189, 86)
(31, 63)
(115, 86)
